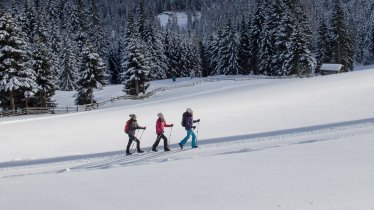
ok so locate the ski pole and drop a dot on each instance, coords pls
(197, 131)
(171, 131)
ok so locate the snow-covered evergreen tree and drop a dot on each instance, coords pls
(16, 76)
(341, 42)
(298, 59)
(244, 47)
(68, 74)
(156, 59)
(323, 46)
(228, 60)
(91, 76)
(255, 29)
(44, 75)
(135, 71)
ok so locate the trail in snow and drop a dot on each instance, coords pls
(209, 147)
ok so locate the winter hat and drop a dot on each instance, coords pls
(189, 110)
(132, 115)
(160, 115)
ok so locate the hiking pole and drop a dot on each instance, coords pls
(171, 131)
(197, 131)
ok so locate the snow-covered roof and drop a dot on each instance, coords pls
(331, 67)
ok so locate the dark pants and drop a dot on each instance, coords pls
(159, 137)
(131, 139)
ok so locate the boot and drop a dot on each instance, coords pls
(154, 149)
(166, 149)
(181, 145)
(140, 151)
(128, 153)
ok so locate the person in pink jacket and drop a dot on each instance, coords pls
(160, 125)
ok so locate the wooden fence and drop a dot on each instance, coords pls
(87, 107)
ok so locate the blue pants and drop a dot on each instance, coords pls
(189, 133)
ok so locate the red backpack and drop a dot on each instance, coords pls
(127, 126)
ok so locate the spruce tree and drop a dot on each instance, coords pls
(255, 29)
(244, 47)
(91, 76)
(341, 42)
(135, 71)
(298, 58)
(228, 60)
(16, 76)
(323, 54)
(68, 74)
(44, 75)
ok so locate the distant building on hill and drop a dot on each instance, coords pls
(330, 68)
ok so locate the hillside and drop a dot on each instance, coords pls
(264, 144)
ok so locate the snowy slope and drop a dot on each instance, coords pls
(264, 144)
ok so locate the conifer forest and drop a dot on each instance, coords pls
(83, 45)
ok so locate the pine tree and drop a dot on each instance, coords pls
(97, 34)
(91, 76)
(114, 63)
(268, 38)
(156, 59)
(254, 45)
(298, 58)
(135, 71)
(244, 47)
(68, 75)
(44, 75)
(323, 46)
(16, 77)
(213, 50)
(341, 43)
(228, 61)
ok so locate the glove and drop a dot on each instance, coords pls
(194, 127)
(198, 120)
(172, 125)
(145, 127)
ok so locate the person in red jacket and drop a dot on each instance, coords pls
(160, 125)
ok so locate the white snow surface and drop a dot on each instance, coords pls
(263, 144)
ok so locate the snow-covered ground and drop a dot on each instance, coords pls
(264, 144)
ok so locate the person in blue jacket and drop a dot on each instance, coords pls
(187, 122)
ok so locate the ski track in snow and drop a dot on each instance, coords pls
(210, 147)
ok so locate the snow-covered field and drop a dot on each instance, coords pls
(264, 144)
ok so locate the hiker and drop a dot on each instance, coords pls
(160, 125)
(130, 128)
(187, 122)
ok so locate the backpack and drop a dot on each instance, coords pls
(127, 126)
(183, 121)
